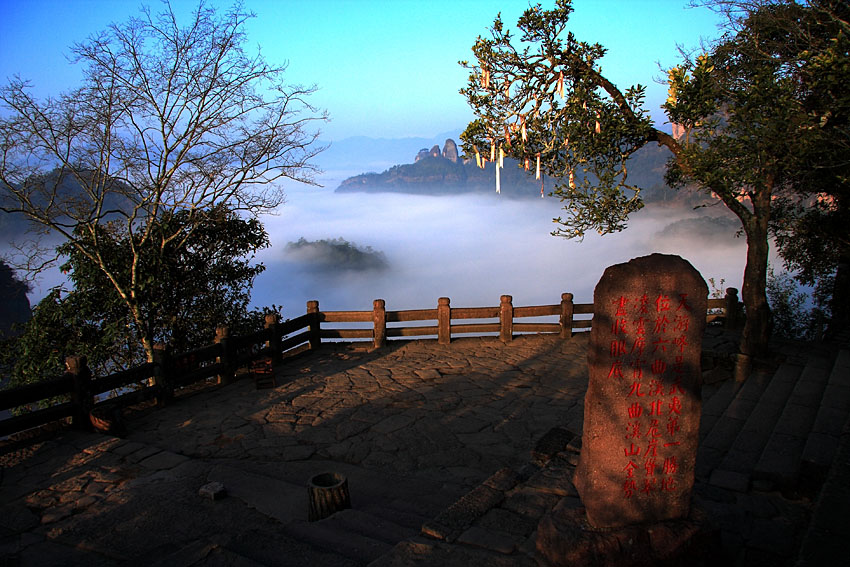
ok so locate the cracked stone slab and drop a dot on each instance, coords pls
(393, 423)
(163, 460)
(452, 521)
(284, 501)
(486, 539)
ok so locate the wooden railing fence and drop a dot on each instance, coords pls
(81, 393)
(385, 324)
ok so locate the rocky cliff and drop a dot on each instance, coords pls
(449, 152)
(441, 172)
(14, 305)
(444, 172)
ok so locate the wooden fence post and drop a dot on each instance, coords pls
(506, 319)
(566, 315)
(163, 374)
(82, 398)
(222, 338)
(272, 326)
(315, 327)
(734, 315)
(379, 320)
(444, 321)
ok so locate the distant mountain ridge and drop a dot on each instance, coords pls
(443, 172)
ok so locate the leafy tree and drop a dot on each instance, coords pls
(811, 230)
(190, 289)
(546, 96)
(791, 316)
(58, 329)
(795, 124)
(200, 279)
(171, 122)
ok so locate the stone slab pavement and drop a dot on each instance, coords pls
(413, 426)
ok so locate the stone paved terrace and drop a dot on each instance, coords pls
(417, 428)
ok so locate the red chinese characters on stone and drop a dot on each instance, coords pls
(653, 409)
(642, 407)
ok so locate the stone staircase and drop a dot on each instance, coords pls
(776, 431)
(825, 541)
(771, 467)
(823, 440)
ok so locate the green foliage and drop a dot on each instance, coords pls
(185, 290)
(196, 280)
(60, 327)
(792, 315)
(716, 289)
(811, 230)
(545, 95)
(812, 237)
(755, 113)
(741, 107)
(691, 93)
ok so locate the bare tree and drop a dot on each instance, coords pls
(168, 119)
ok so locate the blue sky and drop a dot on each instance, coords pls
(384, 68)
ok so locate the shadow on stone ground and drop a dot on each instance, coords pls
(414, 427)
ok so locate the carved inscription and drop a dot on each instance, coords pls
(647, 335)
(642, 407)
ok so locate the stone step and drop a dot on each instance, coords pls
(822, 442)
(734, 471)
(332, 535)
(376, 522)
(721, 436)
(779, 464)
(714, 406)
(406, 500)
(455, 519)
(363, 523)
(825, 541)
(400, 515)
(276, 498)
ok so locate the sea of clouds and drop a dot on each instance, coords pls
(471, 248)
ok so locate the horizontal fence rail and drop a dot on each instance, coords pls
(78, 395)
(443, 322)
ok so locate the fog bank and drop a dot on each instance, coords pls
(471, 248)
(412, 249)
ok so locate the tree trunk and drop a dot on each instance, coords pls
(148, 346)
(756, 333)
(840, 307)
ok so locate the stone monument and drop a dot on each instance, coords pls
(642, 407)
(642, 411)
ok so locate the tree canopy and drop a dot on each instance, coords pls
(811, 230)
(188, 290)
(192, 285)
(543, 96)
(172, 123)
